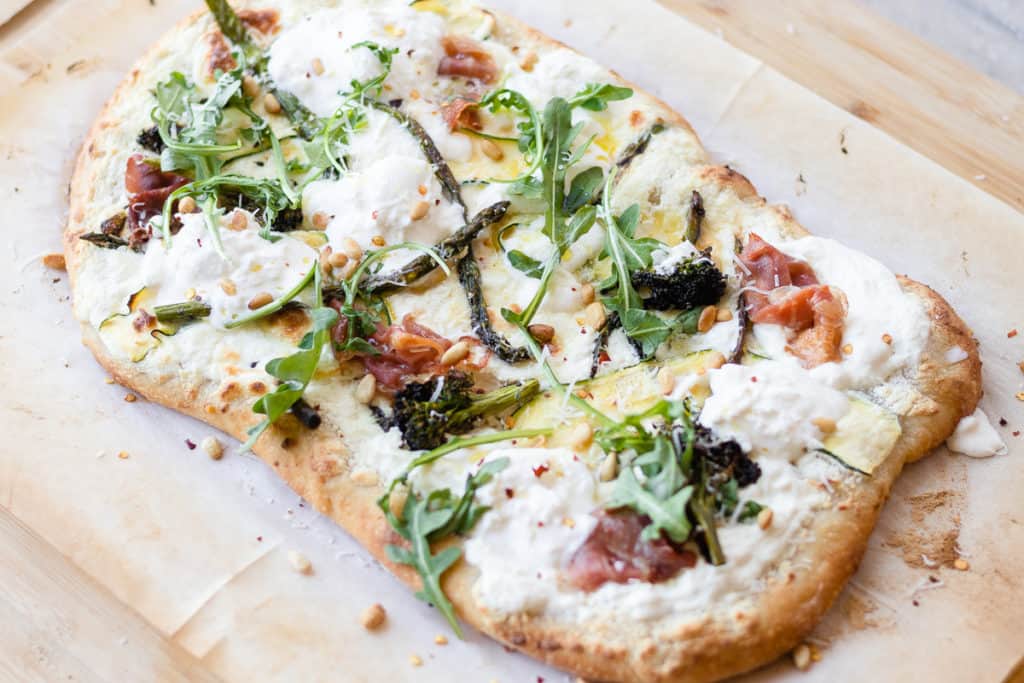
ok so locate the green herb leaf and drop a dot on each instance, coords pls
(596, 96)
(583, 189)
(433, 518)
(295, 371)
(525, 264)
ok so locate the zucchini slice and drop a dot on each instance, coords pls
(864, 437)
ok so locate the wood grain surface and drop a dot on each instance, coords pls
(930, 101)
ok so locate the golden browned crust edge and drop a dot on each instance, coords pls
(316, 466)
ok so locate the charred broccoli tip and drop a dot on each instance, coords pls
(692, 282)
(149, 138)
(425, 412)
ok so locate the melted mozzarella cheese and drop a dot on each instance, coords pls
(878, 310)
(769, 408)
(975, 436)
(254, 266)
(331, 36)
(522, 544)
(378, 202)
(533, 527)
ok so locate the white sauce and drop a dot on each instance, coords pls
(976, 437)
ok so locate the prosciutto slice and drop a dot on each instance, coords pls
(467, 58)
(615, 552)
(784, 291)
(148, 188)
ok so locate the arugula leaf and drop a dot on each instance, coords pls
(376, 84)
(662, 496)
(562, 227)
(525, 264)
(629, 253)
(433, 518)
(295, 371)
(583, 188)
(596, 96)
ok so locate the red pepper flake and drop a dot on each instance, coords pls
(374, 215)
(1011, 334)
(1003, 422)
(540, 523)
(539, 470)
(753, 379)
(260, 539)
(1016, 433)
(191, 445)
(510, 493)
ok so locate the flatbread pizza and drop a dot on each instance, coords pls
(493, 310)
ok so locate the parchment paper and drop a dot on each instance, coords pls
(199, 548)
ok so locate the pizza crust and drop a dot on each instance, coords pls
(316, 464)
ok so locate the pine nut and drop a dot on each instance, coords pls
(802, 657)
(365, 478)
(724, 315)
(491, 149)
(826, 424)
(228, 287)
(238, 222)
(707, 319)
(299, 562)
(366, 389)
(352, 249)
(187, 205)
(666, 381)
(847, 349)
(271, 104)
(378, 241)
(441, 639)
(716, 359)
(456, 353)
(887, 338)
(213, 447)
(415, 660)
(396, 501)
(594, 315)
(764, 518)
(581, 436)
(960, 564)
(250, 86)
(337, 259)
(587, 294)
(529, 61)
(260, 300)
(55, 261)
(609, 467)
(320, 220)
(419, 210)
(318, 66)
(542, 333)
(373, 617)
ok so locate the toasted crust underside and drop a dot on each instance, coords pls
(316, 465)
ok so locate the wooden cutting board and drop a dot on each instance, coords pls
(69, 627)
